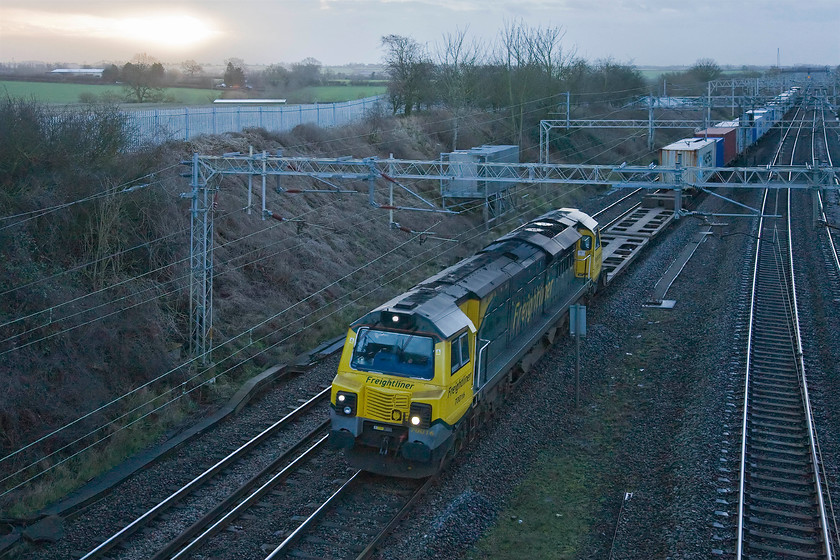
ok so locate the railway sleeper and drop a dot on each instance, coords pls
(778, 398)
(798, 443)
(781, 370)
(760, 457)
(785, 551)
(777, 424)
(802, 453)
(805, 502)
(332, 545)
(789, 432)
(803, 473)
(772, 300)
(368, 531)
(771, 343)
(780, 502)
(810, 529)
(781, 379)
(772, 389)
(790, 414)
(757, 486)
(770, 340)
(772, 408)
(780, 513)
(785, 538)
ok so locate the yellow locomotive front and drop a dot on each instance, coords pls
(403, 383)
(419, 373)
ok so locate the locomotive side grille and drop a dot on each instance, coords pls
(380, 405)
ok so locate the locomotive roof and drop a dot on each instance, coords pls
(433, 304)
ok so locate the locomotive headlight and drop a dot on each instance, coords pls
(420, 415)
(346, 403)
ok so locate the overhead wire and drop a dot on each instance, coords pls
(50, 310)
(114, 401)
(233, 338)
(373, 281)
(126, 297)
(53, 308)
(158, 378)
(160, 295)
(123, 188)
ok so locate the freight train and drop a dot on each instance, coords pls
(721, 144)
(421, 372)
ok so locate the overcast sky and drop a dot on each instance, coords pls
(642, 32)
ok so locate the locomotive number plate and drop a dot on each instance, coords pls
(382, 428)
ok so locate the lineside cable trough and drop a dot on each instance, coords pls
(664, 284)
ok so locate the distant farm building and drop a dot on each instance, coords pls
(78, 72)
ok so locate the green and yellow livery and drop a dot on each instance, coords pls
(421, 372)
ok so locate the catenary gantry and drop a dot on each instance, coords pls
(207, 172)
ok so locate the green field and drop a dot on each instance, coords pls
(331, 94)
(65, 94)
(50, 92)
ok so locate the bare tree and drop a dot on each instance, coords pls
(191, 68)
(458, 63)
(534, 62)
(307, 72)
(410, 71)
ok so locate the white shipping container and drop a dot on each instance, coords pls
(690, 152)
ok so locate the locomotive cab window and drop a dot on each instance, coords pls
(585, 243)
(394, 353)
(460, 352)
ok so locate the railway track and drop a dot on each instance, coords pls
(189, 496)
(781, 510)
(354, 520)
(822, 152)
(393, 503)
(214, 504)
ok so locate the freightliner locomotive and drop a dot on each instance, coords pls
(420, 373)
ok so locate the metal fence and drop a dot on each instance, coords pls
(155, 126)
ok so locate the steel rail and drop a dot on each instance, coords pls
(191, 486)
(616, 203)
(805, 398)
(368, 550)
(297, 533)
(832, 246)
(224, 519)
(786, 299)
(739, 550)
(745, 419)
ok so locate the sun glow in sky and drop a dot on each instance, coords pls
(150, 30)
(642, 32)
